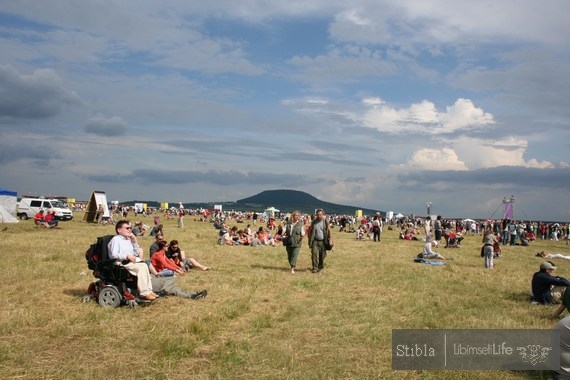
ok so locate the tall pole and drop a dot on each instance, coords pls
(509, 203)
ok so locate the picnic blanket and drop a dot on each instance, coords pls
(430, 262)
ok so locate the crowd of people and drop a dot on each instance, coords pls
(156, 274)
(289, 233)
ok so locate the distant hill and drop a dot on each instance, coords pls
(283, 200)
(289, 200)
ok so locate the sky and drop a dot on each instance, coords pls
(377, 104)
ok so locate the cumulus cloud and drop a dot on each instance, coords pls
(485, 153)
(466, 153)
(102, 126)
(39, 95)
(424, 118)
(436, 159)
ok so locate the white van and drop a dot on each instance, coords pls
(29, 207)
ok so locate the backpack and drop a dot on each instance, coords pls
(97, 251)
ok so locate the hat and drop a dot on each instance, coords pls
(547, 265)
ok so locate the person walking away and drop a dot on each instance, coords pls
(489, 241)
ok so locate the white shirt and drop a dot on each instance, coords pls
(120, 247)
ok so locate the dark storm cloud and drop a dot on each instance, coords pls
(102, 126)
(41, 154)
(35, 96)
(180, 177)
(504, 176)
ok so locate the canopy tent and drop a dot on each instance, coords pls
(270, 212)
(8, 202)
(399, 215)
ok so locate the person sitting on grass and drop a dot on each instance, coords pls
(546, 288)
(51, 220)
(179, 257)
(138, 229)
(362, 232)
(225, 237)
(157, 230)
(39, 219)
(164, 265)
(427, 252)
(154, 246)
(264, 237)
(452, 239)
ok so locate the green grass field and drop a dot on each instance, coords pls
(259, 321)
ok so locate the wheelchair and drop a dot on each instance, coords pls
(113, 286)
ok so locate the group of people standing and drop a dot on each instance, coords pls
(319, 235)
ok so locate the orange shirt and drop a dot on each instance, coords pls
(160, 262)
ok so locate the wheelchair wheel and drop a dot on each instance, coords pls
(109, 297)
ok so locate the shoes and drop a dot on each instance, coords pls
(199, 295)
(293, 270)
(154, 294)
(315, 271)
(148, 297)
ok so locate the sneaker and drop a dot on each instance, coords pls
(199, 295)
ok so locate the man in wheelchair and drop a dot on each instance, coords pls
(125, 249)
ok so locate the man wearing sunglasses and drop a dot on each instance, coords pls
(125, 249)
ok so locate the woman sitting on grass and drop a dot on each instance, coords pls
(51, 220)
(427, 252)
(163, 265)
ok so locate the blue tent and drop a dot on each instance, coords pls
(9, 193)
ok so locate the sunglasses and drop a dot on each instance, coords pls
(127, 228)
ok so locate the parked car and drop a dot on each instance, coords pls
(28, 207)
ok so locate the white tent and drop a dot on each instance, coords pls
(399, 215)
(8, 200)
(270, 212)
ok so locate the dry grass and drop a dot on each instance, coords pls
(258, 321)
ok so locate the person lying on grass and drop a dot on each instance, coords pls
(548, 255)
